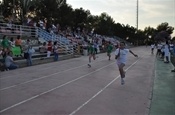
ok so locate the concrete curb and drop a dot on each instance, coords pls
(37, 61)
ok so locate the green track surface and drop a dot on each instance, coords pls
(163, 101)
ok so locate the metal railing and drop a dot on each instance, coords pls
(15, 30)
(36, 32)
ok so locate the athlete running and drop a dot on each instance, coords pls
(121, 58)
(91, 52)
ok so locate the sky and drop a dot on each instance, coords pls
(151, 12)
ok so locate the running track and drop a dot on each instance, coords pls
(69, 87)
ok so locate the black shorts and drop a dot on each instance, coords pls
(158, 50)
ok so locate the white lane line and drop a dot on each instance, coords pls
(12, 86)
(35, 69)
(41, 94)
(99, 92)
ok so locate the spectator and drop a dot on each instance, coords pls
(55, 50)
(159, 46)
(12, 42)
(167, 52)
(43, 48)
(9, 63)
(28, 53)
(173, 56)
(18, 43)
(49, 48)
(5, 42)
(152, 48)
(2, 65)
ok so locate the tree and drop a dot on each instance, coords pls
(80, 17)
(163, 32)
(150, 34)
(165, 27)
(24, 7)
(105, 25)
(65, 15)
(173, 39)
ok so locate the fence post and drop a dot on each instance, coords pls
(20, 30)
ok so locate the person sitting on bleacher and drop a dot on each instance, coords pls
(5, 42)
(9, 62)
(49, 48)
(43, 48)
(18, 43)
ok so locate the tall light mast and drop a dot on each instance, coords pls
(137, 14)
(137, 19)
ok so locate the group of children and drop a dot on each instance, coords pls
(120, 55)
(164, 50)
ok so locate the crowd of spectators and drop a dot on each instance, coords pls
(78, 37)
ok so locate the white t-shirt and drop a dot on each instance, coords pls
(123, 55)
(159, 46)
(152, 46)
(166, 50)
(55, 48)
(8, 61)
(171, 47)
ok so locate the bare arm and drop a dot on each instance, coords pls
(117, 56)
(133, 53)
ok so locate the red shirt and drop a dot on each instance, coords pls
(49, 47)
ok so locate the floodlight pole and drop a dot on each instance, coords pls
(137, 20)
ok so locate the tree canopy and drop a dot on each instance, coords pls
(58, 11)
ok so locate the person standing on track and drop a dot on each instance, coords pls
(121, 58)
(152, 48)
(159, 46)
(91, 52)
(173, 56)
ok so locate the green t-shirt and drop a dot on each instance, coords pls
(109, 48)
(91, 49)
(5, 43)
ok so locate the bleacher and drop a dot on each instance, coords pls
(36, 36)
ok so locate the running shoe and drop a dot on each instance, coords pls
(122, 81)
(89, 65)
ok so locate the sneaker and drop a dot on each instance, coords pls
(173, 70)
(89, 65)
(122, 81)
(125, 74)
(166, 62)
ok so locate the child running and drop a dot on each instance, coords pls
(91, 52)
(121, 58)
(109, 50)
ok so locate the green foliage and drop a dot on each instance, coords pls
(165, 27)
(58, 11)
